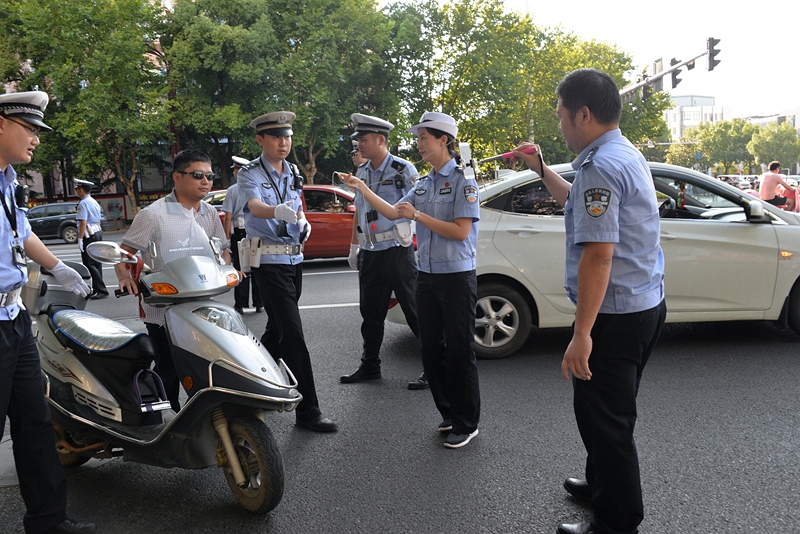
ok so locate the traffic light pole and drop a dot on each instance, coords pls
(628, 93)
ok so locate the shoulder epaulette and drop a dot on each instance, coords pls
(589, 158)
(250, 165)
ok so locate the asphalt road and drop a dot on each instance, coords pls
(718, 436)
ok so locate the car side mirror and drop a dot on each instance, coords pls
(755, 213)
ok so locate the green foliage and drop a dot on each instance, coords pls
(724, 143)
(775, 142)
(684, 153)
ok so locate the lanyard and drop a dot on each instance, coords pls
(12, 220)
(269, 177)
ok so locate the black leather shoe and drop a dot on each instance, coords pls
(68, 526)
(420, 382)
(239, 310)
(575, 528)
(578, 488)
(361, 374)
(97, 296)
(319, 424)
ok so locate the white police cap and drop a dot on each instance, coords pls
(437, 121)
(83, 184)
(28, 106)
(278, 123)
(238, 162)
(365, 124)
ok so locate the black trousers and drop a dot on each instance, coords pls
(281, 287)
(165, 367)
(41, 477)
(94, 266)
(241, 293)
(379, 273)
(605, 410)
(446, 305)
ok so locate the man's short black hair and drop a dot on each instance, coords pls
(775, 166)
(184, 159)
(594, 89)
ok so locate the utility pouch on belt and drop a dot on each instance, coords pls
(255, 252)
(244, 254)
(402, 233)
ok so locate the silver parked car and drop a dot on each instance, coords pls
(719, 234)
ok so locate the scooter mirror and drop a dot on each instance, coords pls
(152, 248)
(108, 252)
(216, 246)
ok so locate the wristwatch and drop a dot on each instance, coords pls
(415, 216)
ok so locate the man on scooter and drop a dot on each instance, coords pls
(180, 225)
(41, 477)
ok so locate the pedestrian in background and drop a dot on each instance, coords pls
(270, 189)
(232, 206)
(381, 249)
(445, 206)
(41, 478)
(89, 216)
(615, 277)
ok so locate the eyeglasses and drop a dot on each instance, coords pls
(34, 131)
(199, 175)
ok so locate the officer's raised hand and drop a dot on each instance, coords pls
(532, 159)
(285, 212)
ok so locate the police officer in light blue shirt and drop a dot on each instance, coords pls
(270, 188)
(615, 276)
(41, 477)
(386, 261)
(445, 205)
(88, 217)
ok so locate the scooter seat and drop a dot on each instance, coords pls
(94, 334)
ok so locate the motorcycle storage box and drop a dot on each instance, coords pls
(42, 289)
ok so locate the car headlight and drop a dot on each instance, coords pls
(222, 318)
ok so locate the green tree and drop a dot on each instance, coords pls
(775, 142)
(685, 152)
(107, 92)
(724, 143)
(221, 56)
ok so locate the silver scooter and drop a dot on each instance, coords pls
(107, 402)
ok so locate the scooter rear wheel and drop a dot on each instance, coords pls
(261, 462)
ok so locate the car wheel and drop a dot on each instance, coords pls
(70, 234)
(502, 321)
(794, 308)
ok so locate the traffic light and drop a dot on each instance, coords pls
(675, 79)
(711, 47)
(647, 92)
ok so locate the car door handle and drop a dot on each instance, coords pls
(668, 237)
(524, 230)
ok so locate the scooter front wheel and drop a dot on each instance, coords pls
(261, 462)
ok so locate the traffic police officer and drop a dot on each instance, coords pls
(385, 264)
(445, 205)
(41, 477)
(234, 230)
(89, 216)
(270, 188)
(615, 277)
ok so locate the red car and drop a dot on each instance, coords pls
(330, 211)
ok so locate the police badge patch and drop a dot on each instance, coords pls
(596, 201)
(471, 194)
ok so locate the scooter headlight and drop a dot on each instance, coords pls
(222, 318)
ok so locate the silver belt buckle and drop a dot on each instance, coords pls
(10, 298)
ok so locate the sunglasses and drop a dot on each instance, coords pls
(199, 175)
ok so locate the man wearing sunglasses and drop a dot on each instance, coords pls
(180, 225)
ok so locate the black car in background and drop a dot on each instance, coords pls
(56, 221)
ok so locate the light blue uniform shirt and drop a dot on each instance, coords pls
(382, 181)
(12, 276)
(233, 204)
(254, 183)
(613, 200)
(89, 210)
(447, 195)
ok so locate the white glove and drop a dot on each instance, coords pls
(305, 230)
(80, 244)
(352, 259)
(285, 212)
(70, 279)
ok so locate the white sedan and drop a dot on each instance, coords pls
(721, 233)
